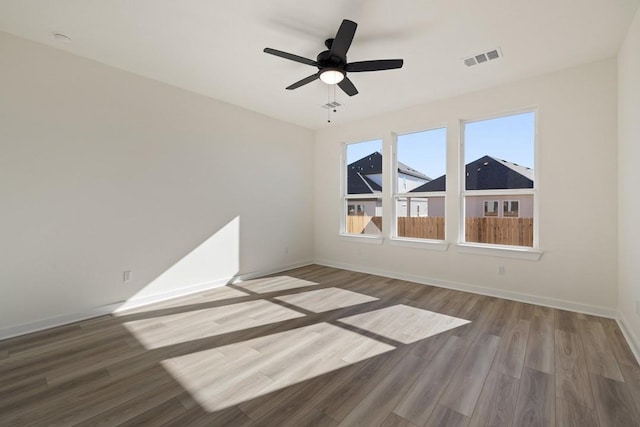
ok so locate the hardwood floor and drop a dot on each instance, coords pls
(327, 347)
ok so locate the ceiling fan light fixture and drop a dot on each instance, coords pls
(332, 64)
(332, 76)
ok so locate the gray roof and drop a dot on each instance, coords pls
(487, 173)
(522, 170)
(408, 170)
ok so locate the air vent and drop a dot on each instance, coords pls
(483, 57)
(331, 105)
(494, 54)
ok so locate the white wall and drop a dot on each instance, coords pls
(407, 183)
(629, 179)
(577, 158)
(103, 171)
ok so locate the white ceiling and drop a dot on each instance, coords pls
(214, 47)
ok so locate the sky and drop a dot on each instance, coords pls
(509, 138)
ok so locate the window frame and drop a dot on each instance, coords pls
(347, 198)
(454, 194)
(463, 193)
(396, 195)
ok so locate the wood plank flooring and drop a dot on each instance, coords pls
(324, 347)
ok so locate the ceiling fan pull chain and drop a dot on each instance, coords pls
(334, 98)
(329, 103)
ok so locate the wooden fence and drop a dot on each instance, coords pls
(499, 231)
(356, 224)
(422, 227)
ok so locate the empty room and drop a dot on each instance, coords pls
(292, 213)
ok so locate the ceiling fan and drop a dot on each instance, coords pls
(332, 64)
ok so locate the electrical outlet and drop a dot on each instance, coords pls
(501, 269)
(127, 276)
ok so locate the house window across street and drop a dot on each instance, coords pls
(510, 208)
(490, 208)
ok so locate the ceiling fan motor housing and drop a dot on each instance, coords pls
(327, 60)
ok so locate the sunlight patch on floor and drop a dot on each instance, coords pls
(228, 375)
(327, 299)
(404, 323)
(274, 284)
(161, 331)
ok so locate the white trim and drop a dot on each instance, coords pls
(502, 113)
(363, 196)
(342, 189)
(362, 238)
(393, 148)
(420, 128)
(138, 302)
(52, 322)
(65, 319)
(518, 252)
(424, 194)
(507, 192)
(498, 293)
(632, 339)
(435, 245)
(163, 296)
(252, 275)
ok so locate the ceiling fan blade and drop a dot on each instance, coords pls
(378, 65)
(347, 86)
(343, 39)
(304, 81)
(290, 56)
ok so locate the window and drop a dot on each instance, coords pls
(499, 172)
(355, 210)
(363, 188)
(490, 208)
(419, 176)
(510, 208)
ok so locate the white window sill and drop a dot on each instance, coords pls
(362, 238)
(434, 245)
(500, 251)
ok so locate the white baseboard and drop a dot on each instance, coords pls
(39, 325)
(65, 319)
(139, 302)
(632, 338)
(252, 275)
(499, 293)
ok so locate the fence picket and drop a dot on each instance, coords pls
(494, 230)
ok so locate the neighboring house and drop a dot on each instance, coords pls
(488, 173)
(364, 176)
